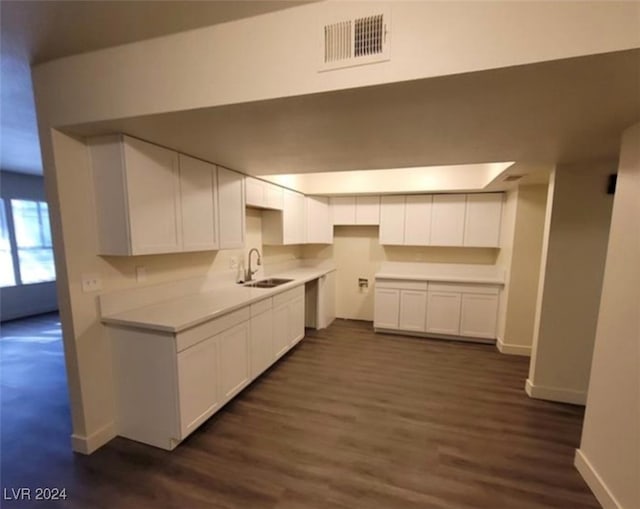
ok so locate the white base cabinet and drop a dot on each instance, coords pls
(168, 384)
(442, 309)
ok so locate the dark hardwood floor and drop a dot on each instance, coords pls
(348, 419)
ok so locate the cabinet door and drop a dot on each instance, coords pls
(296, 320)
(386, 314)
(198, 204)
(417, 220)
(275, 196)
(479, 316)
(319, 228)
(152, 185)
(443, 312)
(368, 210)
(343, 209)
(197, 384)
(482, 220)
(392, 220)
(230, 209)
(293, 218)
(262, 350)
(281, 333)
(234, 359)
(447, 220)
(413, 310)
(255, 192)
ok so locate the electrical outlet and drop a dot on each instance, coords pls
(233, 262)
(141, 274)
(91, 283)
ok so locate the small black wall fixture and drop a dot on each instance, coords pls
(611, 186)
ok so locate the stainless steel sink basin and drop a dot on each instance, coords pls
(268, 283)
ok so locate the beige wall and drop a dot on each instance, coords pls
(609, 454)
(505, 254)
(219, 64)
(576, 231)
(87, 349)
(358, 254)
(523, 273)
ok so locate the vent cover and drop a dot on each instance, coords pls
(358, 41)
(513, 178)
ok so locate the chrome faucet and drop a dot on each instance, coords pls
(250, 273)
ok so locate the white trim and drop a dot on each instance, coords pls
(595, 482)
(555, 394)
(512, 349)
(89, 444)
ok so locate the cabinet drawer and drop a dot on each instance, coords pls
(211, 328)
(464, 288)
(401, 284)
(261, 306)
(284, 297)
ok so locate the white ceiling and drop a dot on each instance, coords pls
(38, 31)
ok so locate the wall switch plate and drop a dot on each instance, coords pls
(91, 283)
(233, 262)
(141, 274)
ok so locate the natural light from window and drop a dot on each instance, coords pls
(7, 273)
(33, 241)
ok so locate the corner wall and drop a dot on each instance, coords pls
(357, 253)
(609, 454)
(572, 267)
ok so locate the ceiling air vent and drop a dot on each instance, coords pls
(513, 178)
(358, 41)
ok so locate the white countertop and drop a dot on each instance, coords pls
(179, 314)
(442, 272)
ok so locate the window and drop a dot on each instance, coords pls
(33, 241)
(7, 273)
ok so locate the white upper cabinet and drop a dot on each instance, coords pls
(343, 210)
(417, 220)
(368, 210)
(447, 220)
(261, 194)
(231, 209)
(198, 199)
(354, 210)
(137, 194)
(392, 211)
(482, 220)
(319, 229)
(288, 226)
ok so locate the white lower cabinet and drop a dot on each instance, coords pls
(387, 308)
(262, 348)
(447, 309)
(234, 360)
(288, 319)
(168, 384)
(198, 384)
(443, 312)
(413, 310)
(479, 315)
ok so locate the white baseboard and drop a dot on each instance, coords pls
(595, 482)
(89, 444)
(511, 349)
(555, 394)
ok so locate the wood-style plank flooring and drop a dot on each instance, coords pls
(348, 419)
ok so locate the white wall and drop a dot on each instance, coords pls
(574, 251)
(609, 454)
(357, 253)
(31, 299)
(516, 331)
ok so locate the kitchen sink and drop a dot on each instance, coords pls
(268, 283)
